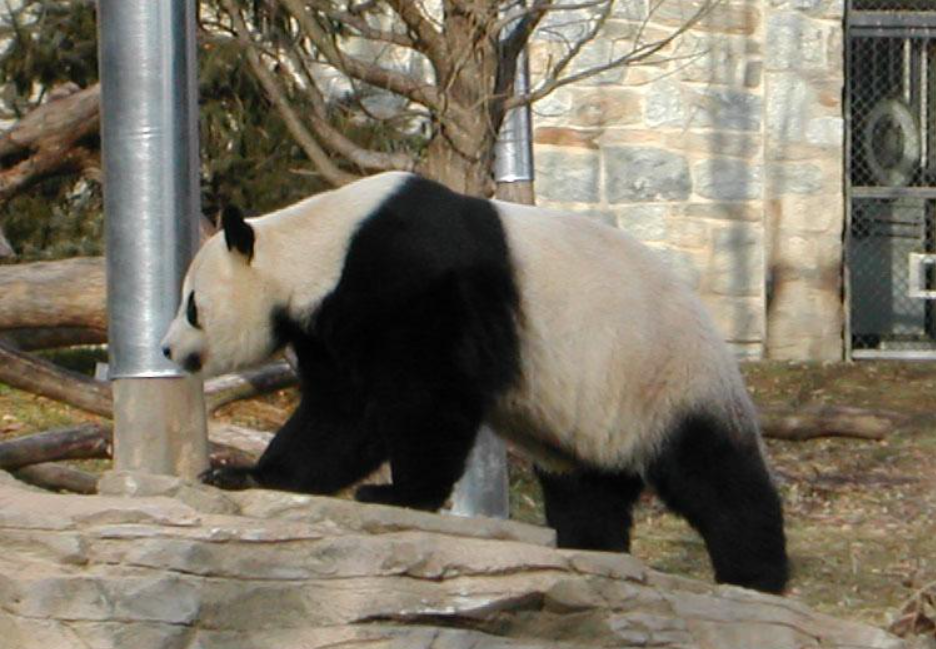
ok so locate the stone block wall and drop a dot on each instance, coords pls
(722, 151)
(804, 80)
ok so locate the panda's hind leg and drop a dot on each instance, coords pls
(590, 510)
(429, 433)
(717, 479)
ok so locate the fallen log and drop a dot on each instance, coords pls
(44, 294)
(37, 338)
(229, 446)
(824, 420)
(222, 390)
(50, 140)
(84, 442)
(57, 477)
(32, 374)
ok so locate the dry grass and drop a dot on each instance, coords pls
(861, 515)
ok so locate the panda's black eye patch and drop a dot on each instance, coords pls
(191, 311)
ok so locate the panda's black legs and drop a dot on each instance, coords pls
(318, 450)
(590, 510)
(430, 434)
(718, 481)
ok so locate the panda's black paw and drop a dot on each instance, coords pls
(231, 478)
(387, 494)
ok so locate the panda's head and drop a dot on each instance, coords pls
(225, 318)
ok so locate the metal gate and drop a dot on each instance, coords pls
(891, 177)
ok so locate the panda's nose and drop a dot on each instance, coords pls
(167, 352)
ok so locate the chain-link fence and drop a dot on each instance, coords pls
(893, 5)
(891, 85)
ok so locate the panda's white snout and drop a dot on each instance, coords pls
(182, 349)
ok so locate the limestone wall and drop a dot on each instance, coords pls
(724, 151)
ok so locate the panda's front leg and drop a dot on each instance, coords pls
(429, 443)
(230, 478)
(319, 450)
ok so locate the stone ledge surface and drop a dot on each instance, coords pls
(261, 569)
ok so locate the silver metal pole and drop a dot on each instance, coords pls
(513, 154)
(151, 200)
(484, 488)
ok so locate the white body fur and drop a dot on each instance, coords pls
(614, 347)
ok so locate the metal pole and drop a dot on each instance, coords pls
(513, 157)
(484, 488)
(149, 126)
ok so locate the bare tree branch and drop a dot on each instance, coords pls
(368, 72)
(640, 52)
(524, 21)
(429, 40)
(335, 139)
(331, 171)
(359, 23)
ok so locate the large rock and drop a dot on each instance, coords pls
(288, 571)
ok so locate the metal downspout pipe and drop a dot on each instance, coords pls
(149, 124)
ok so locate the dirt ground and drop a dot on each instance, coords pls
(861, 515)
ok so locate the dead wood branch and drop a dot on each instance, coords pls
(243, 385)
(65, 293)
(31, 339)
(30, 456)
(829, 421)
(31, 374)
(57, 477)
(84, 442)
(48, 141)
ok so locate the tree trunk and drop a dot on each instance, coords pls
(51, 294)
(468, 172)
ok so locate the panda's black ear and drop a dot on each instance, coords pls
(238, 234)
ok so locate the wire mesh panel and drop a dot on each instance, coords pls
(891, 177)
(893, 5)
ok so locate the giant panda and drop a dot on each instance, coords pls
(417, 314)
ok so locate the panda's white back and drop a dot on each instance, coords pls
(614, 346)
